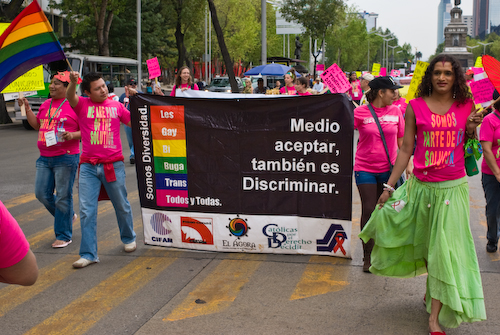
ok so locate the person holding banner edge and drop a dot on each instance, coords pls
(423, 226)
(101, 163)
(59, 144)
(371, 165)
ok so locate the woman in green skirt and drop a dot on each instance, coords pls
(423, 226)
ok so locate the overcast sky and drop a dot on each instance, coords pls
(413, 22)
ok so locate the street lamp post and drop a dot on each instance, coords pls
(368, 58)
(383, 45)
(392, 47)
(387, 50)
(484, 45)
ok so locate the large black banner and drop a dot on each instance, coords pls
(279, 156)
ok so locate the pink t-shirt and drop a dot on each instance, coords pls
(490, 132)
(439, 154)
(370, 152)
(71, 147)
(355, 93)
(291, 90)
(13, 243)
(401, 104)
(195, 87)
(303, 94)
(100, 126)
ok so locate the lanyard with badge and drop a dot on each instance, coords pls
(50, 136)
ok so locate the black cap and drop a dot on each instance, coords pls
(132, 81)
(383, 82)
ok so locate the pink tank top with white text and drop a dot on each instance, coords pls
(439, 154)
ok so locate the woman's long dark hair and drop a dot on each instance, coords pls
(178, 78)
(460, 89)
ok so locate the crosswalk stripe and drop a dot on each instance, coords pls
(36, 240)
(80, 315)
(322, 275)
(217, 291)
(12, 296)
(22, 199)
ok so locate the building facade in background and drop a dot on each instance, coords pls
(444, 18)
(370, 19)
(486, 17)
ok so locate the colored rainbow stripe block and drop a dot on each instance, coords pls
(169, 148)
(29, 41)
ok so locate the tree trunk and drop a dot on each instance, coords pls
(4, 116)
(103, 24)
(11, 10)
(223, 48)
(179, 38)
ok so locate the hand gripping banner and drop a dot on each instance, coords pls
(266, 175)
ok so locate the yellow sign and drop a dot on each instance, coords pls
(376, 69)
(30, 81)
(479, 62)
(418, 74)
(358, 74)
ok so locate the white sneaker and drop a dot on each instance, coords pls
(129, 247)
(82, 262)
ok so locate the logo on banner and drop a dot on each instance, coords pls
(238, 227)
(333, 240)
(197, 230)
(283, 237)
(160, 224)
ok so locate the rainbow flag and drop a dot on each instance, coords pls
(29, 41)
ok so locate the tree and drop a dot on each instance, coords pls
(10, 10)
(223, 48)
(317, 16)
(90, 15)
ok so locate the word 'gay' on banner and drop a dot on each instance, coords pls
(335, 79)
(418, 74)
(153, 68)
(376, 69)
(260, 175)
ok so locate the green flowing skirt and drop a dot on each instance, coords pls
(429, 222)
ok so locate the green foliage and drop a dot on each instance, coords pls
(315, 15)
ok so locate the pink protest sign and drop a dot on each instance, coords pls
(335, 79)
(482, 90)
(320, 67)
(395, 73)
(153, 68)
(383, 71)
(477, 70)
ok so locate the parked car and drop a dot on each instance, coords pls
(221, 84)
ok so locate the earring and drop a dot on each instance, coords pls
(454, 94)
(430, 91)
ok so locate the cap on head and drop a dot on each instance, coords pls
(385, 82)
(131, 81)
(368, 77)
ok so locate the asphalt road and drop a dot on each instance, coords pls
(166, 291)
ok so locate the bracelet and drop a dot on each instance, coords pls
(389, 188)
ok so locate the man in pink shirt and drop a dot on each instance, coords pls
(101, 163)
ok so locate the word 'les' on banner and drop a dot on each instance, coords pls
(418, 74)
(248, 175)
(335, 79)
(153, 68)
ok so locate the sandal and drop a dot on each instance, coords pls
(61, 245)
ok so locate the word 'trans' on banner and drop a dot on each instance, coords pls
(249, 175)
(335, 79)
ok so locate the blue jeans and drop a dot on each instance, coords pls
(91, 178)
(128, 131)
(363, 177)
(491, 189)
(57, 173)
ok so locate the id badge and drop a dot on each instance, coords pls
(356, 94)
(50, 138)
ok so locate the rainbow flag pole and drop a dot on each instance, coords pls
(29, 41)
